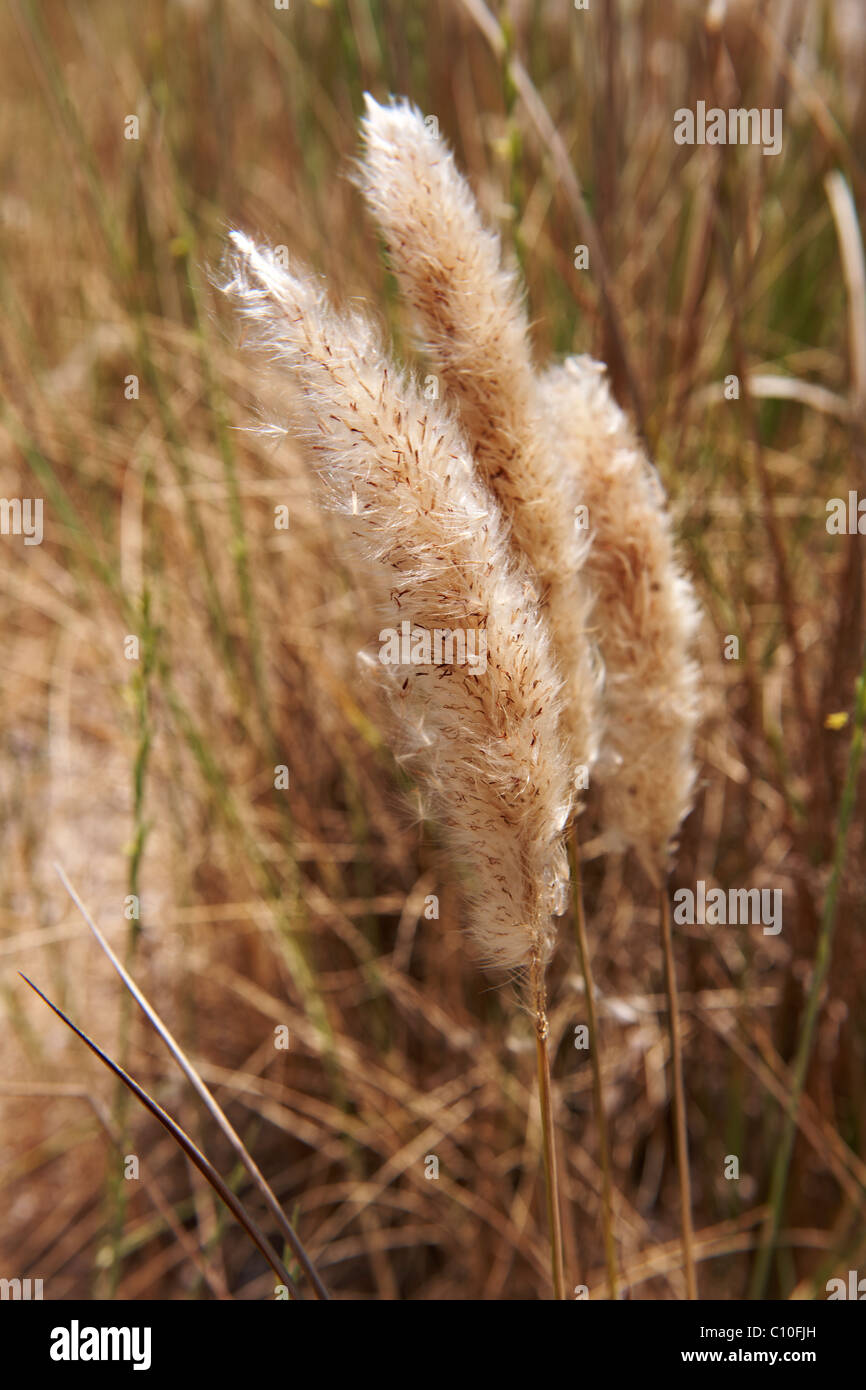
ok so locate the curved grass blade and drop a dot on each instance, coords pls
(290, 1235)
(193, 1153)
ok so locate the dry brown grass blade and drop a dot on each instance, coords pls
(713, 1242)
(219, 1115)
(192, 1151)
(854, 269)
(770, 386)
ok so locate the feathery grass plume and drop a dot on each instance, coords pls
(470, 318)
(484, 746)
(645, 611)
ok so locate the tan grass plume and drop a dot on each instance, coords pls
(551, 444)
(485, 747)
(470, 317)
(646, 613)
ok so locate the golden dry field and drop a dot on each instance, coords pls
(185, 622)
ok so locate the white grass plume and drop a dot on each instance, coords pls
(485, 748)
(470, 318)
(645, 610)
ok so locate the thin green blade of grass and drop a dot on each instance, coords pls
(823, 956)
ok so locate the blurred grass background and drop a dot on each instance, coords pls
(305, 908)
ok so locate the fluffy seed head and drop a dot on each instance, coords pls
(470, 317)
(485, 747)
(645, 612)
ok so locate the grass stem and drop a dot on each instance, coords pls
(545, 1100)
(595, 1059)
(679, 1098)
